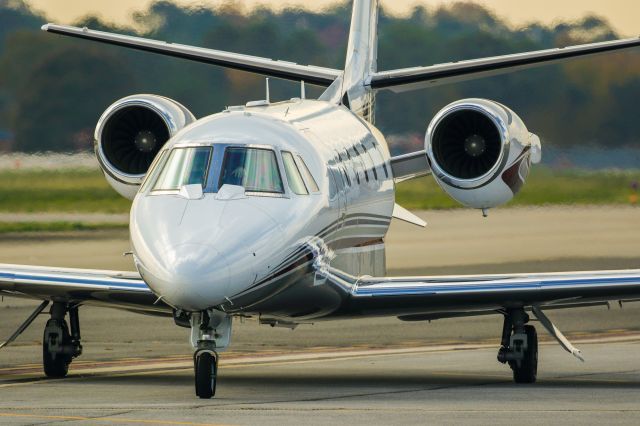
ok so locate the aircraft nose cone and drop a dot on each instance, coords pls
(189, 276)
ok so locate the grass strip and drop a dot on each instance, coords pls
(87, 191)
(22, 227)
(543, 187)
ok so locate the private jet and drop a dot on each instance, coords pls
(278, 211)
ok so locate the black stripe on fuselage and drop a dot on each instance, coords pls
(354, 220)
(303, 254)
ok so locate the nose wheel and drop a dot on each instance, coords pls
(206, 372)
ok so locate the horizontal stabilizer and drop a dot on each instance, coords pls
(401, 213)
(281, 69)
(406, 79)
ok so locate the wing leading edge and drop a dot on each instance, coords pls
(475, 294)
(406, 79)
(125, 290)
(281, 69)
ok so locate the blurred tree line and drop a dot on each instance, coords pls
(53, 89)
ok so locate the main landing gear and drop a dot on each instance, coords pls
(210, 333)
(60, 343)
(519, 346)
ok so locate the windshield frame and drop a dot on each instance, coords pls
(216, 163)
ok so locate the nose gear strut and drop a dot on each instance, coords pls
(210, 333)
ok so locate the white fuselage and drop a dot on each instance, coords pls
(241, 250)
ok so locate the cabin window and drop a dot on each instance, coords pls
(296, 183)
(311, 182)
(364, 167)
(366, 161)
(371, 164)
(346, 176)
(185, 166)
(349, 166)
(356, 163)
(340, 160)
(255, 169)
(378, 159)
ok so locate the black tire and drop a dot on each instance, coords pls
(206, 367)
(528, 370)
(55, 365)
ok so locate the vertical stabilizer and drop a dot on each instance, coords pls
(361, 61)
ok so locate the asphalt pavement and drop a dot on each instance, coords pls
(138, 369)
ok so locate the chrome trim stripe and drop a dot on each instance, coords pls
(59, 280)
(364, 289)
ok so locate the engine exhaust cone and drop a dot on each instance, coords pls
(145, 141)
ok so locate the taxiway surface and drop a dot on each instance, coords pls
(137, 369)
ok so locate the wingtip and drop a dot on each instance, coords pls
(45, 27)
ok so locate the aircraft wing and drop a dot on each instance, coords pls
(406, 79)
(125, 290)
(281, 69)
(443, 296)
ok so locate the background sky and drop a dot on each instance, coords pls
(624, 15)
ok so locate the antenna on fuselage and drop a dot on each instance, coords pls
(303, 93)
(267, 97)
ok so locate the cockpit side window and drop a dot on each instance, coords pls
(153, 171)
(184, 166)
(255, 169)
(296, 183)
(311, 182)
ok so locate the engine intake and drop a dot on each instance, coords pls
(480, 152)
(466, 144)
(130, 134)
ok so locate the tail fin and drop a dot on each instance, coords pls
(361, 61)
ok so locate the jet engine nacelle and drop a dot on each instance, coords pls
(129, 135)
(480, 152)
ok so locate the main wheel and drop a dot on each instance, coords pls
(56, 336)
(206, 366)
(528, 369)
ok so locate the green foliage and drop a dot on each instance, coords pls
(544, 186)
(59, 125)
(53, 89)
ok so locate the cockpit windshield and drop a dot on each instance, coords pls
(185, 166)
(255, 169)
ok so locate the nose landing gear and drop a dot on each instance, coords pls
(205, 364)
(210, 333)
(519, 346)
